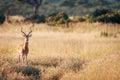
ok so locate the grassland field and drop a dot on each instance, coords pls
(84, 51)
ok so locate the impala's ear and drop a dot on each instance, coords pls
(30, 35)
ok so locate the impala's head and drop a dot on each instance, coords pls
(26, 36)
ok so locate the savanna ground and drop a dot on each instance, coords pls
(85, 51)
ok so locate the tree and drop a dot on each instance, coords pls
(69, 3)
(35, 3)
(99, 12)
(57, 18)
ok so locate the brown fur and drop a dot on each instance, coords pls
(24, 49)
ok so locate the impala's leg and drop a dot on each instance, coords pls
(19, 57)
(23, 58)
(26, 59)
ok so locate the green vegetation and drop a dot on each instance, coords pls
(36, 19)
(35, 3)
(57, 18)
(29, 70)
(2, 19)
(76, 7)
(100, 12)
(101, 15)
(106, 15)
(110, 17)
(39, 10)
(105, 34)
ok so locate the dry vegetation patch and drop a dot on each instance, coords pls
(61, 54)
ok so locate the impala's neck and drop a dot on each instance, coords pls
(26, 45)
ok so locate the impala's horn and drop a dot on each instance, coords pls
(22, 31)
(30, 31)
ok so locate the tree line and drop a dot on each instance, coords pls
(71, 7)
(59, 17)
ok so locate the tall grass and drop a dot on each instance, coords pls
(75, 53)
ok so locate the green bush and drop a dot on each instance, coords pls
(99, 12)
(108, 34)
(57, 18)
(26, 70)
(29, 70)
(105, 34)
(69, 3)
(110, 17)
(2, 19)
(15, 19)
(36, 19)
(77, 18)
(106, 16)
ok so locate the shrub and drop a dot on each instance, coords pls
(37, 19)
(57, 18)
(69, 3)
(26, 70)
(105, 34)
(29, 70)
(74, 64)
(15, 19)
(77, 18)
(113, 17)
(99, 12)
(2, 19)
(106, 16)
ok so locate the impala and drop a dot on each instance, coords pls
(24, 49)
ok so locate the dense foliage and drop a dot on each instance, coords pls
(100, 15)
(99, 12)
(106, 15)
(110, 17)
(36, 19)
(2, 19)
(71, 7)
(57, 18)
(97, 9)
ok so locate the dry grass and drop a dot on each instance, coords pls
(76, 53)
